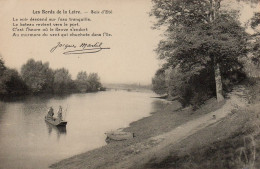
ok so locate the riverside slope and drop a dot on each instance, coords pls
(235, 101)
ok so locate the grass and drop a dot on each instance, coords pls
(232, 143)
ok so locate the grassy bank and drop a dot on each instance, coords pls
(232, 143)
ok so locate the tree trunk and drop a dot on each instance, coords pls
(215, 5)
(219, 90)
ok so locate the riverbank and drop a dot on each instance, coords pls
(181, 138)
(168, 117)
(233, 142)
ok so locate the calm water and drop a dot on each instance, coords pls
(28, 142)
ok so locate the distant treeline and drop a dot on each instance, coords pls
(128, 86)
(37, 77)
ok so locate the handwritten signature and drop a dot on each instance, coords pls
(79, 49)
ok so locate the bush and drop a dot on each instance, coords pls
(192, 90)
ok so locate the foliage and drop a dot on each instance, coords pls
(12, 83)
(255, 49)
(2, 66)
(196, 41)
(191, 90)
(182, 13)
(62, 82)
(255, 40)
(82, 81)
(88, 83)
(255, 21)
(37, 76)
(94, 82)
(159, 82)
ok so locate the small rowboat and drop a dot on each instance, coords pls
(118, 136)
(55, 121)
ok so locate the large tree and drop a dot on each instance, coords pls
(62, 82)
(82, 81)
(37, 76)
(200, 37)
(88, 83)
(11, 83)
(94, 82)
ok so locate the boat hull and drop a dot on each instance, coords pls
(56, 122)
(118, 136)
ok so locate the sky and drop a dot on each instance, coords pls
(131, 57)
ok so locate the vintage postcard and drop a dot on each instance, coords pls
(129, 84)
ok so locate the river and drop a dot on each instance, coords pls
(28, 142)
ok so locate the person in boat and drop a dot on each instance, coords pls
(50, 113)
(60, 113)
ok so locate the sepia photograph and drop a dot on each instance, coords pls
(133, 84)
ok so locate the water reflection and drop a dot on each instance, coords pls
(62, 129)
(42, 97)
(2, 110)
(59, 130)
